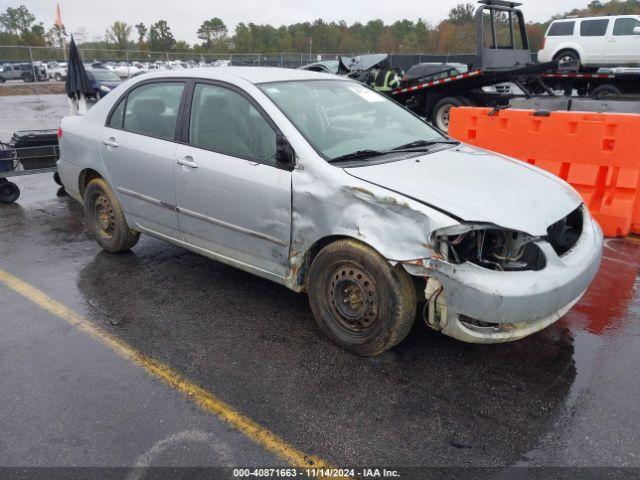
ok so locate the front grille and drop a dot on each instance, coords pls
(564, 235)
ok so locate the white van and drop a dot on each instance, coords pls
(594, 41)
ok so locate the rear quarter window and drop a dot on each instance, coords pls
(561, 29)
(594, 28)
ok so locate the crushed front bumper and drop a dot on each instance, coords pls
(478, 305)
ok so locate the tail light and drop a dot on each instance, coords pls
(59, 133)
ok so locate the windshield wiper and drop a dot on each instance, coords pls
(359, 155)
(421, 144)
(417, 146)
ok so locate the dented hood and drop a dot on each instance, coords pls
(478, 186)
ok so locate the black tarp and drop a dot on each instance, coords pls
(78, 82)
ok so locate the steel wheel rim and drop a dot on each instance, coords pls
(567, 58)
(104, 216)
(444, 115)
(355, 300)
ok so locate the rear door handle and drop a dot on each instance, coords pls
(111, 142)
(187, 162)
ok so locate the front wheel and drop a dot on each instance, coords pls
(105, 218)
(58, 77)
(9, 191)
(359, 300)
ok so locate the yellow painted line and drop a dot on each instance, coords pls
(203, 398)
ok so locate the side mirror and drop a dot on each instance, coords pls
(636, 31)
(285, 156)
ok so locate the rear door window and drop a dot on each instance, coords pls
(153, 110)
(594, 28)
(561, 29)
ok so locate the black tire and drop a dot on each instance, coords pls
(57, 77)
(359, 301)
(2, 80)
(606, 91)
(105, 218)
(27, 78)
(568, 58)
(56, 178)
(442, 111)
(9, 191)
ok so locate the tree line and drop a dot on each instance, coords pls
(455, 34)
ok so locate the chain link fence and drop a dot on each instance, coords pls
(16, 54)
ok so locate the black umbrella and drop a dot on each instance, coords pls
(78, 83)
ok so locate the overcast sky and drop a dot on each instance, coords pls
(185, 16)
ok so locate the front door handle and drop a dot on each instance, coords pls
(111, 142)
(187, 162)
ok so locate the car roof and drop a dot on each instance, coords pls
(253, 75)
(599, 17)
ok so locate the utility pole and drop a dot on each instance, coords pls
(310, 48)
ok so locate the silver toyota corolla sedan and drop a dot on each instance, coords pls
(325, 186)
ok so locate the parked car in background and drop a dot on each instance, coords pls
(125, 69)
(593, 42)
(27, 72)
(103, 81)
(57, 71)
(329, 66)
(325, 186)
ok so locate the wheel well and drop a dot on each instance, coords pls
(565, 50)
(302, 275)
(85, 177)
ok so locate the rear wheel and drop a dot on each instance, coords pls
(606, 91)
(9, 191)
(568, 58)
(105, 218)
(442, 111)
(28, 78)
(359, 300)
(58, 77)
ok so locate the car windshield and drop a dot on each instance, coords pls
(341, 118)
(105, 76)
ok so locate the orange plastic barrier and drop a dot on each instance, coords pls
(597, 153)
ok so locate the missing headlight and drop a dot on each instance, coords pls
(563, 235)
(495, 249)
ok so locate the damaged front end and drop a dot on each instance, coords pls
(490, 285)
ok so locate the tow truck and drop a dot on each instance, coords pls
(503, 57)
(503, 74)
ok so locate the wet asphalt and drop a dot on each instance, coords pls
(568, 396)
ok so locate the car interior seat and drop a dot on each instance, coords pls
(220, 128)
(147, 117)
